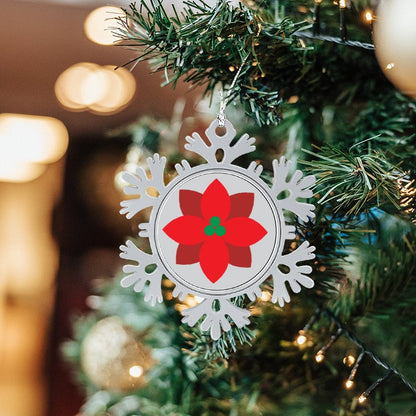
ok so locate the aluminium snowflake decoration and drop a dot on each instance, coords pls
(217, 230)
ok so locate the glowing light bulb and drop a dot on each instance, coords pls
(301, 339)
(349, 360)
(390, 65)
(319, 357)
(368, 16)
(362, 399)
(265, 296)
(342, 4)
(231, 68)
(136, 371)
(349, 384)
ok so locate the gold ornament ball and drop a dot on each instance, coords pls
(394, 40)
(112, 357)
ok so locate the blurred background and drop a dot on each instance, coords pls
(60, 103)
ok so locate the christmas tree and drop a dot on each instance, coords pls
(302, 77)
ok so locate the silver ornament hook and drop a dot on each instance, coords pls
(224, 101)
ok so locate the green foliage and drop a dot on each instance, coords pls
(353, 181)
(202, 345)
(385, 293)
(207, 46)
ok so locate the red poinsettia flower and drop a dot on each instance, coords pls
(215, 229)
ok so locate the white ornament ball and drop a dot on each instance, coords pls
(395, 39)
(112, 357)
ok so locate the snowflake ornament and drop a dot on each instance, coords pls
(217, 230)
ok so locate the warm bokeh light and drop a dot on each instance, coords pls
(349, 360)
(301, 339)
(28, 138)
(362, 399)
(101, 23)
(349, 384)
(26, 143)
(136, 371)
(70, 84)
(319, 357)
(368, 16)
(189, 302)
(100, 89)
(265, 296)
(28, 265)
(118, 90)
(15, 171)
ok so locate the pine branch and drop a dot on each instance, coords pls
(353, 182)
(202, 345)
(387, 272)
(205, 46)
(209, 44)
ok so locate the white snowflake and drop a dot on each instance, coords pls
(241, 277)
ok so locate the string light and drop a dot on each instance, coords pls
(342, 22)
(350, 382)
(317, 17)
(136, 371)
(363, 396)
(349, 360)
(265, 296)
(368, 16)
(320, 355)
(301, 338)
(354, 43)
(362, 399)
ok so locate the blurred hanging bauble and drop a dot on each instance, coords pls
(113, 358)
(135, 158)
(394, 40)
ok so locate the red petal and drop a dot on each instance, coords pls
(243, 232)
(214, 258)
(215, 201)
(241, 204)
(239, 256)
(188, 254)
(190, 202)
(187, 230)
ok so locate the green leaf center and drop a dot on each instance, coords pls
(215, 227)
